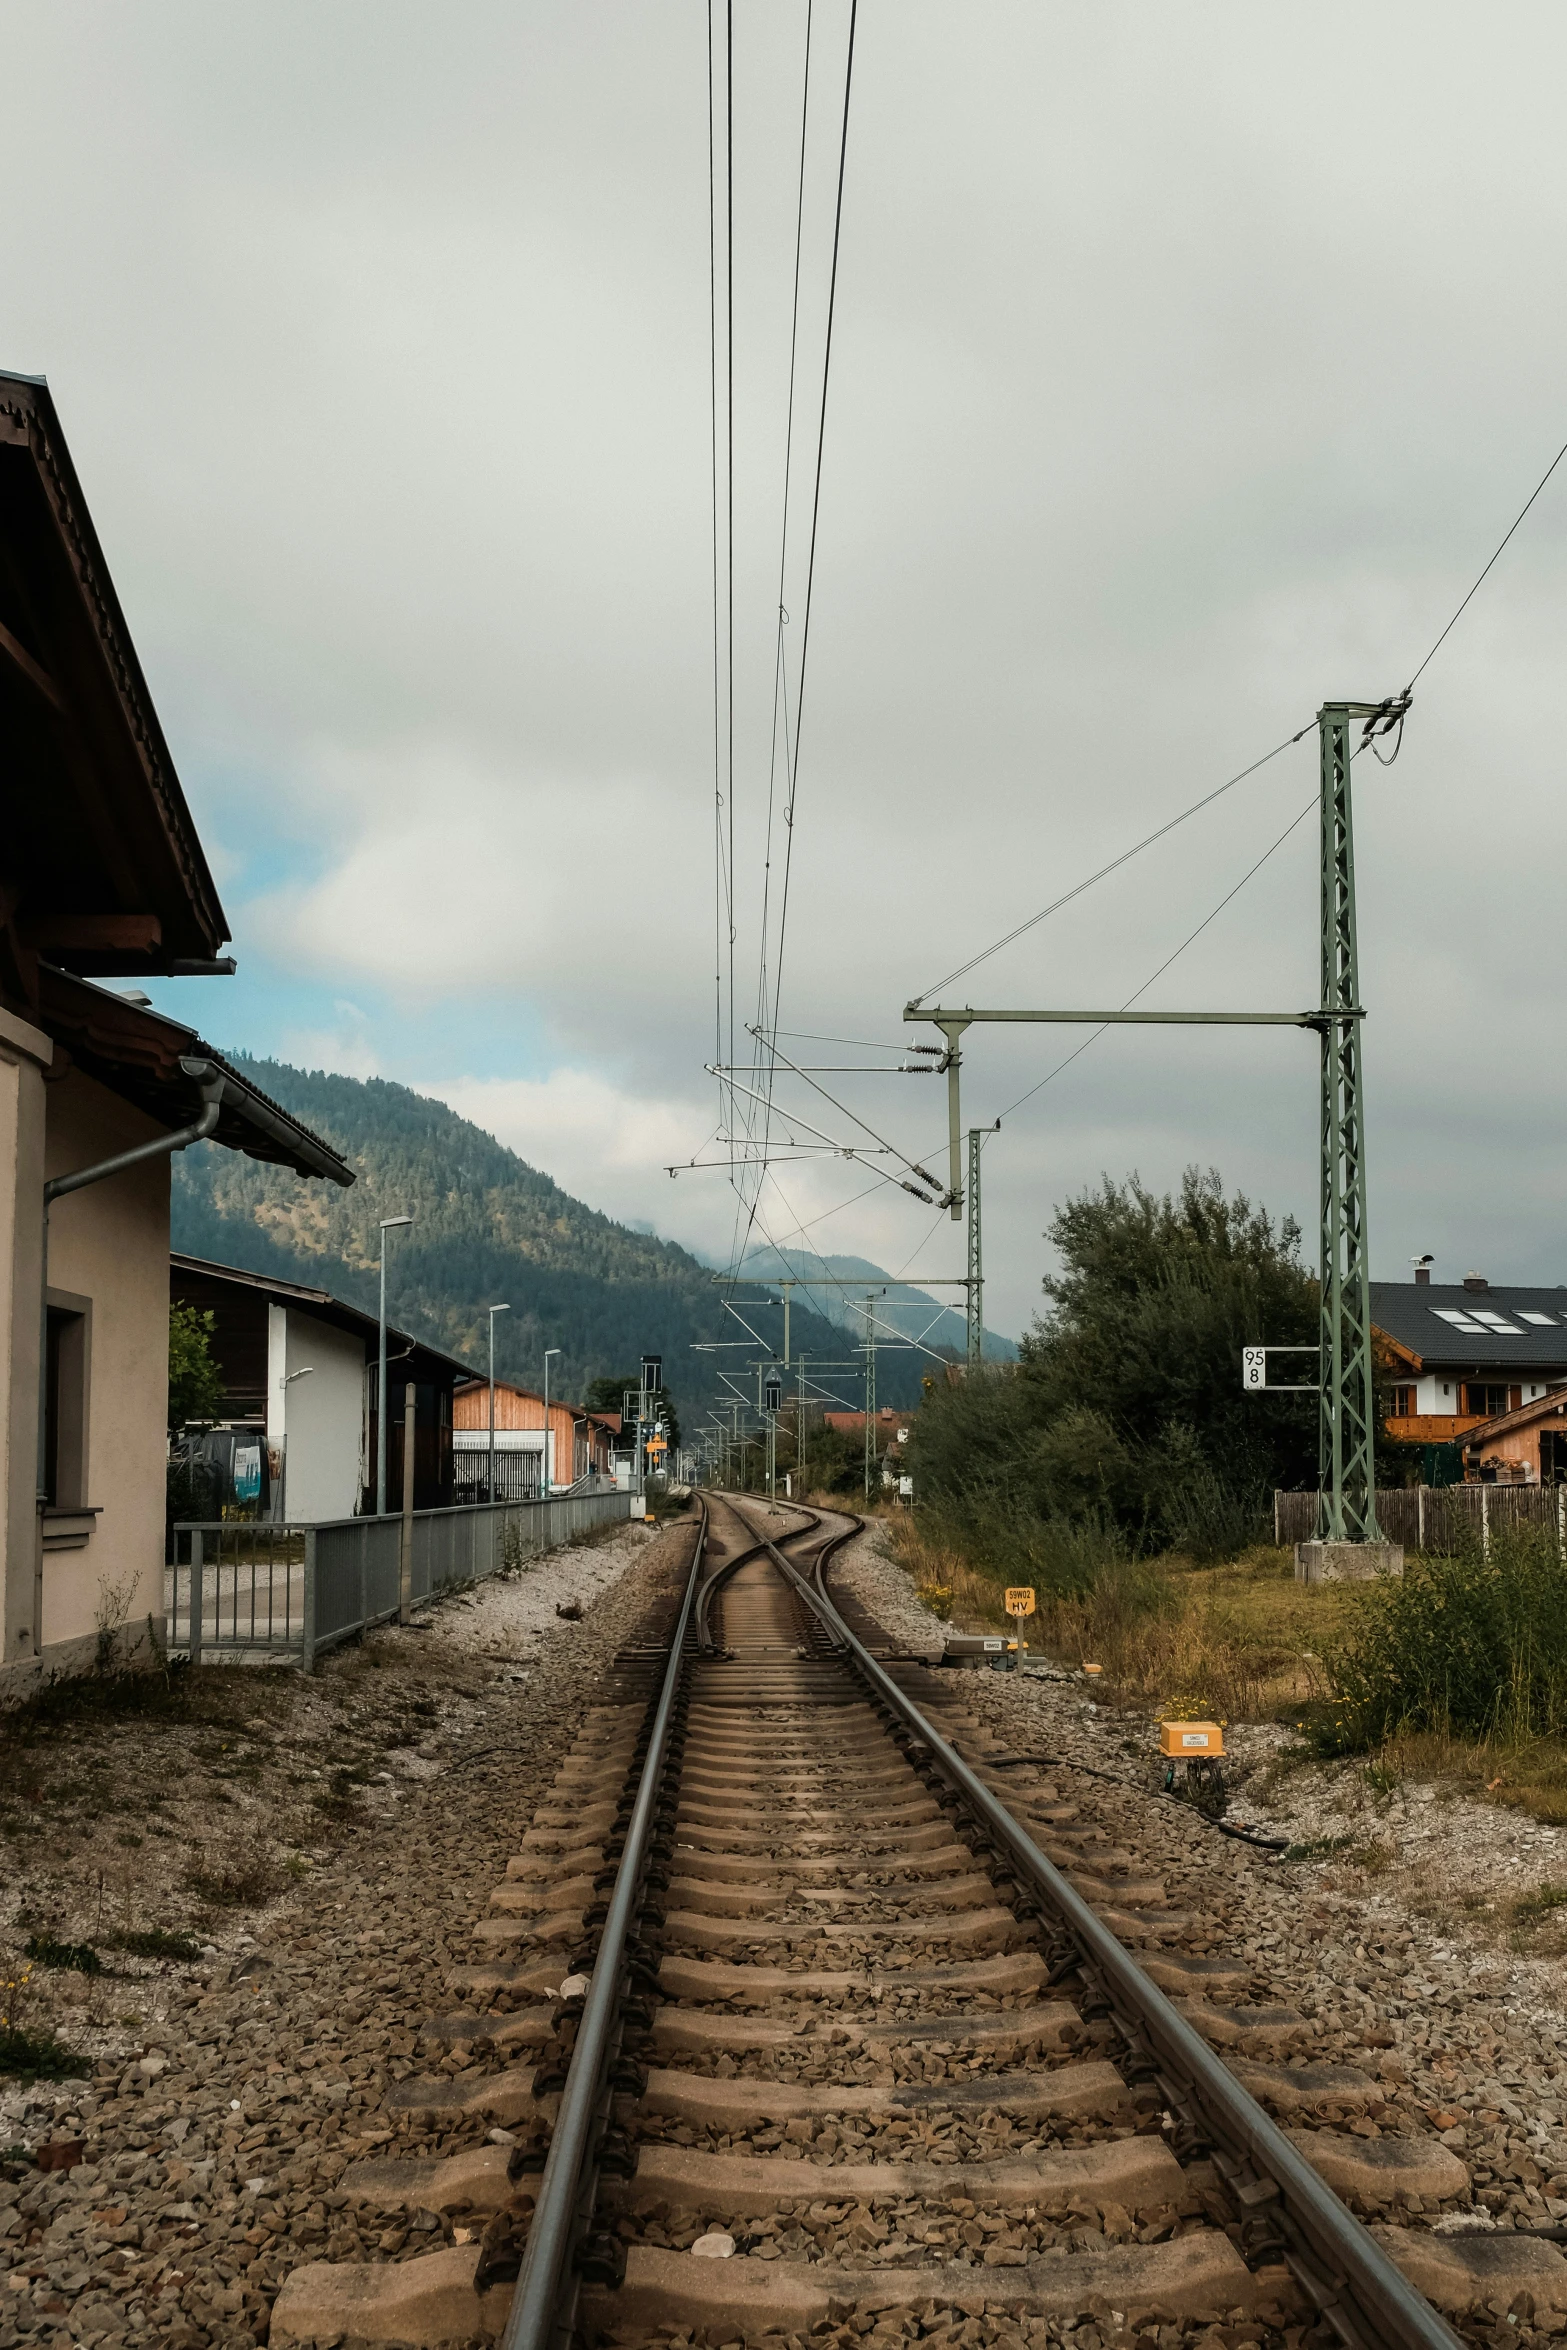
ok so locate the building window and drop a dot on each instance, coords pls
(1403, 1403)
(1482, 1400)
(65, 1406)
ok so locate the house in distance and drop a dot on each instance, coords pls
(1479, 1364)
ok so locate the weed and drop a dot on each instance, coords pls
(1532, 1909)
(76, 1958)
(35, 2055)
(29, 2049)
(1318, 1848)
(1474, 1643)
(1383, 1779)
(239, 1878)
(110, 1616)
(938, 1598)
(157, 1942)
(1376, 1859)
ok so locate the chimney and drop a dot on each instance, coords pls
(1476, 1281)
(1423, 1276)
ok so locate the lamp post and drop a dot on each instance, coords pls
(388, 1224)
(489, 1490)
(544, 1482)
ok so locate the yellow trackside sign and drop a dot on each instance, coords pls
(1020, 1600)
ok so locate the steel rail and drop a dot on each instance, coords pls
(1345, 2273)
(544, 2303)
(721, 1574)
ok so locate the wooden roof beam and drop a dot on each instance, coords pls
(125, 934)
(14, 652)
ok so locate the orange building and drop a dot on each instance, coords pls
(1526, 1446)
(574, 1443)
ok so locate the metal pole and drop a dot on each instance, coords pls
(489, 1490)
(380, 1392)
(307, 1629)
(976, 1281)
(544, 1470)
(198, 1577)
(1347, 1509)
(870, 1389)
(405, 1559)
(388, 1224)
(952, 1030)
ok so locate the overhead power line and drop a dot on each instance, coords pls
(1114, 866)
(816, 508)
(1480, 581)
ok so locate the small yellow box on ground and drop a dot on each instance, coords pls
(1185, 1739)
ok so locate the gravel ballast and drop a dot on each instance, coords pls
(221, 2100)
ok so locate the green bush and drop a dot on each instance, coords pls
(1126, 1404)
(1468, 1645)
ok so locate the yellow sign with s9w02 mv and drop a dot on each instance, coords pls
(1020, 1599)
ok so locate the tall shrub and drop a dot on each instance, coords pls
(1468, 1644)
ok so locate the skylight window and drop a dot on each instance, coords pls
(1464, 1322)
(1541, 1321)
(1497, 1322)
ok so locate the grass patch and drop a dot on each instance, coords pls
(157, 1942)
(1318, 1848)
(1239, 1641)
(36, 2055)
(1474, 1644)
(1528, 1910)
(76, 1958)
(245, 1877)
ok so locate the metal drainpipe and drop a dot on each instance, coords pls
(209, 1080)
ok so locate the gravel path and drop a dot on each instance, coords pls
(227, 2096)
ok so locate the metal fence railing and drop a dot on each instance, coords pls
(245, 1591)
(518, 1476)
(1438, 1517)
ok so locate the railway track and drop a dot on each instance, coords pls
(807, 2006)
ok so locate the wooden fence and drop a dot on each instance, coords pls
(1436, 1517)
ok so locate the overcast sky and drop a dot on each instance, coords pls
(1189, 363)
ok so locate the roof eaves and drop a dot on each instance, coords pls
(38, 420)
(322, 1300)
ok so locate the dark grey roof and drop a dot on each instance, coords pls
(320, 1302)
(1446, 1323)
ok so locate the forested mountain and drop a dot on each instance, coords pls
(486, 1227)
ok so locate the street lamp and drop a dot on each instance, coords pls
(489, 1490)
(388, 1224)
(545, 1481)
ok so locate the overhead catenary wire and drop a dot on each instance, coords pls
(757, 1127)
(1190, 939)
(780, 668)
(1114, 866)
(816, 508)
(1485, 572)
